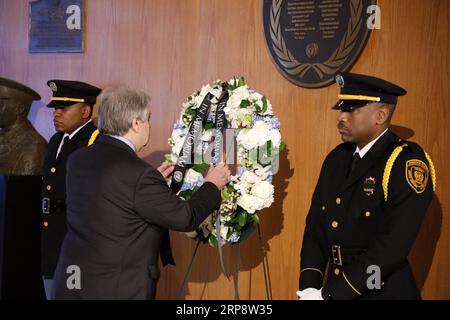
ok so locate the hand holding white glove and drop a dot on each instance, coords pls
(310, 294)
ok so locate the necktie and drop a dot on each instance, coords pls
(355, 161)
(64, 145)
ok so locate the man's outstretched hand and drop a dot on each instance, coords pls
(166, 169)
(219, 175)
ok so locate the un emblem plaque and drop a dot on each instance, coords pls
(310, 41)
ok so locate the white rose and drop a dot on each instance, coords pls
(247, 201)
(237, 96)
(255, 137)
(263, 190)
(275, 136)
(261, 172)
(192, 176)
(234, 101)
(250, 177)
(260, 125)
(246, 139)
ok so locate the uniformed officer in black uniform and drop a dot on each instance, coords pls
(371, 197)
(73, 102)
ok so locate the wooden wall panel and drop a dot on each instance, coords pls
(170, 48)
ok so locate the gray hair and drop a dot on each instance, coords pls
(119, 106)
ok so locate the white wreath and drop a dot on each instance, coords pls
(258, 146)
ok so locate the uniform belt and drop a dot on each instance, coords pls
(341, 255)
(51, 206)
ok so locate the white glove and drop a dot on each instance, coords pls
(310, 294)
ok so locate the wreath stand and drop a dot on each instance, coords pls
(236, 276)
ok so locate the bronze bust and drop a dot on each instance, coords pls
(22, 148)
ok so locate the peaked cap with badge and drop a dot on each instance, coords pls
(67, 93)
(358, 90)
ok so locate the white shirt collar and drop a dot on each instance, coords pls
(125, 140)
(367, 147)
(71, 135)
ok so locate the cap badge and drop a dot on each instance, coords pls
(340, 80)
(53, 86)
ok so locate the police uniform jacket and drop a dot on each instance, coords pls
(54, 194)
(118, 208)
(366, 221)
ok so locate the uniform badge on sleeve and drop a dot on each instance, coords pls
(417, 175)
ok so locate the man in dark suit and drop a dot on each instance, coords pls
(368, 205)
(73, 102)
(119, 207)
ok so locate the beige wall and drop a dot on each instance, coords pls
(170, 48)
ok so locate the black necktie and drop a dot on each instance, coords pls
(64, 145)
(355, 161)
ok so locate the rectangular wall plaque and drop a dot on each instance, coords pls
(56, 26)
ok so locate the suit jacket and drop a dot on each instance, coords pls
(352, 228)
(118, 208)
(54, 188)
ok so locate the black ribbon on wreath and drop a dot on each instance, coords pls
(187, 156)
(193, 138)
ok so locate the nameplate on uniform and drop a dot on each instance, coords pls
(56, 26)
(310, 41)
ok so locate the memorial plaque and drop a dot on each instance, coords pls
(56, 26)
(310, 41)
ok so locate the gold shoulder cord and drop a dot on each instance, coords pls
(432, 171)
(388, 169)
(93, 137)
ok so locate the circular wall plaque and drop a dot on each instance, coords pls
(310, 41)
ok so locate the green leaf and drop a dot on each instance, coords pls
(282, 146)
(209, 125)
(264, 155)
(213, 241)
(248, 231)
(255, 218)
(200, 167)
(241, 82)
(265, 106)
(186, 194)
(269, 148)
(225, 195)
(245, 104)
(243, 219)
